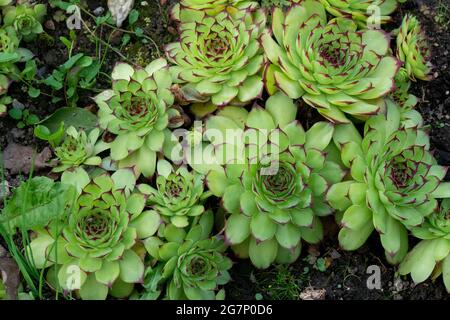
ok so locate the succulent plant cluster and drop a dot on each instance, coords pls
(142, 212)
(17, 22)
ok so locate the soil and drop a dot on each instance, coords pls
(346, 277)
(345, 273)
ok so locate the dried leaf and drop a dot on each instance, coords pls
(19, 159)
(120, 10)
(10, 274)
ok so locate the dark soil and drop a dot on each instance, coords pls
(344, 275)
(434, 103)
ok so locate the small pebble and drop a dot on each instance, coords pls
(50, 25)
(18, 105)
(144, 3)
(334, 254)
(18, 133)
(313, 294)
(398, 284)
(99, 11)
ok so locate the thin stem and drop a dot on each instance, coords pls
(106, 44)
(147, 37)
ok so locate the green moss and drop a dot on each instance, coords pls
(442, 16)
(280, 283)
(140, 54)
(154, 20)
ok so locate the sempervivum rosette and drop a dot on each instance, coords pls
(431, 257)
(413, 50)
(26, 19)
(78, 149)
(395, 182)
(138, 111)
(191, 263)
(178, 195)
(93, 252)
(9, 45)
(275, 195)
(331, 65)
(218, 60)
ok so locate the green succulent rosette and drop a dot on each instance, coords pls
(394, 186)
(334, 67)
(413, 50)
(93, 252)
(77, 149)
(218, 60)
(25, 19)
(186, 9)
(178, 195)
(9, 53)
(275, 195)
(363, 12)
(9, 42)
(191, 264)
(138, 111)
(431, 256)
